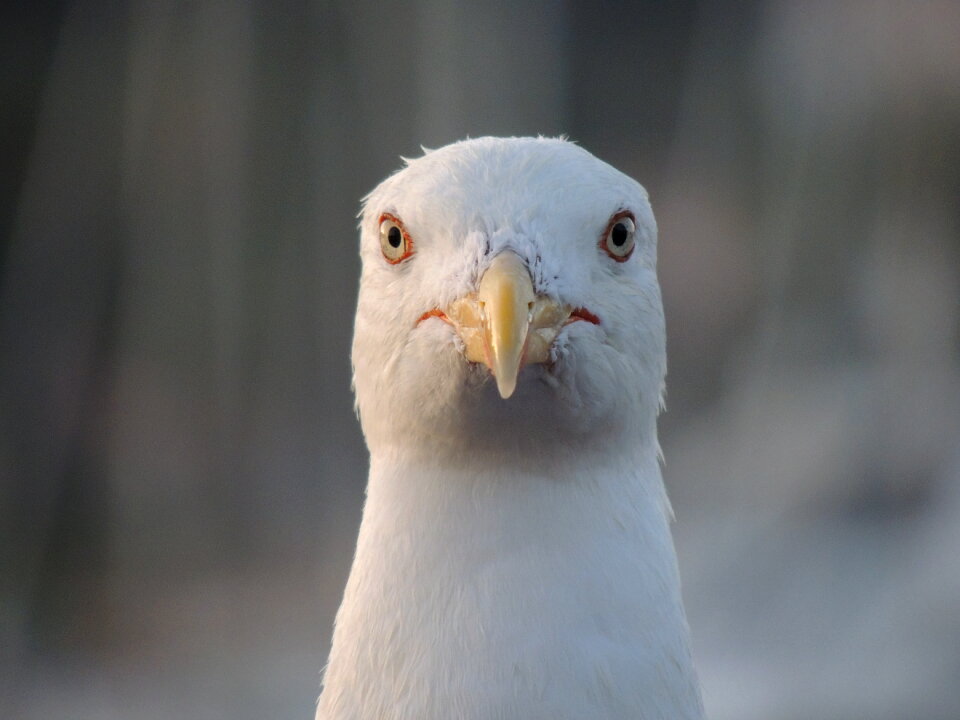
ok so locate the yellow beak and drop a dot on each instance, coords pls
(506, 301)
(505, 325)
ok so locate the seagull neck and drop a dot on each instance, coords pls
(579, 480)
(518, 582)
(468, 462)
(537, 448)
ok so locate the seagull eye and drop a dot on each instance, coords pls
(620, 236)
(395, 243)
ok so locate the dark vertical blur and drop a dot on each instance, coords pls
(181, 475)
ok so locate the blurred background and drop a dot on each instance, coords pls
(181, 473)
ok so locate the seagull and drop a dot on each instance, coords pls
(514, 560)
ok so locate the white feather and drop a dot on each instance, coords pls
(514, 559)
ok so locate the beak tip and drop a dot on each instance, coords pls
(506, 374)
(506, 387)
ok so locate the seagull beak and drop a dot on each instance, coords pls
(506, 301)
(505, 325)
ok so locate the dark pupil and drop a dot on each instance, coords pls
(619, 234)
(394, 237)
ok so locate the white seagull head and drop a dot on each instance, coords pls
(509, 285)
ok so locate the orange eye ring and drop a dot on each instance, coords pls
(620, 237)
(395, 242)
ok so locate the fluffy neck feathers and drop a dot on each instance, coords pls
(485, 592)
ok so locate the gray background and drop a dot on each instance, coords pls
(181, 474)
